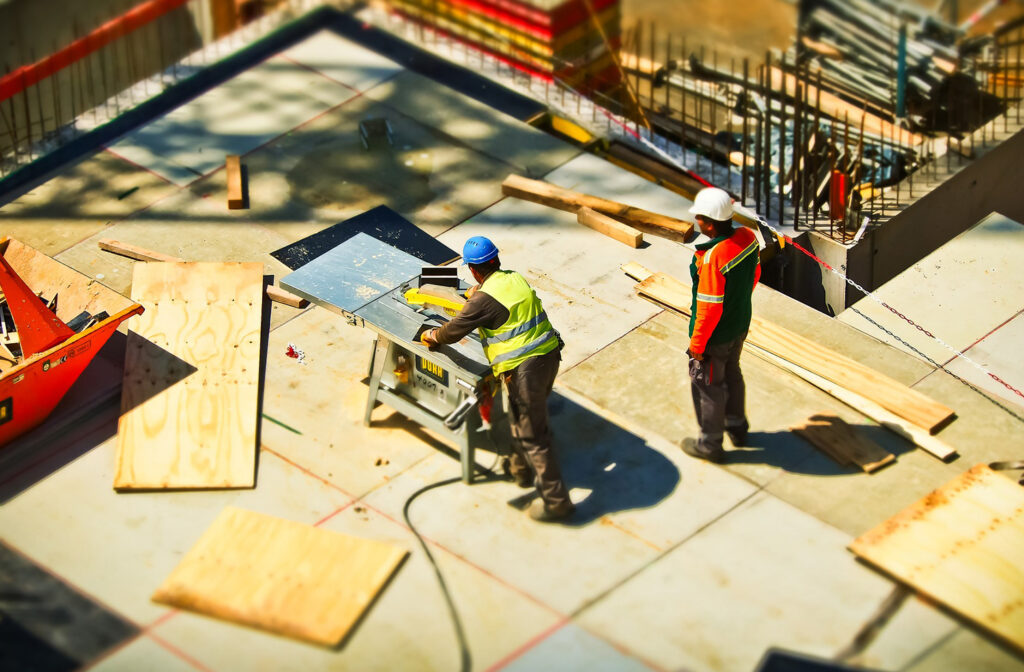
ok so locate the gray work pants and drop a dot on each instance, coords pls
(719, 394)
(529, 385)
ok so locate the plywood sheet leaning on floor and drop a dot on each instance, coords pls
(289, 578)
(962, 546)
(191, 380)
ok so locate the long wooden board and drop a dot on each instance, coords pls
(962, 546)
(191, 380)
(233, 177)
(890, 394)
(854, 376)
(278, 575)
(545, 193)
(612, 228)
(843, 443)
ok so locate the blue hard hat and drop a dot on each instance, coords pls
(477, 250)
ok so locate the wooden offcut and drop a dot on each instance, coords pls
(889, 394)
(843, 443)
(233, 170)
(609, 227)
(961, 546)
(191, 379)
(142, 254)
(277, 575)
(544, 193)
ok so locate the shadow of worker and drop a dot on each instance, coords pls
(616, 468)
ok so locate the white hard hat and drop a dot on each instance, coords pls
(713, 203)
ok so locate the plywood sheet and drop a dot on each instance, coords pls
(962, 546)
(278, 575)
(191, 382)
(843, 443)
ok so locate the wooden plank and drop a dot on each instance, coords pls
(538, 191)
(843, 443)
(609, 227)
(891, 395)
(191, 380)
(233, 171)
(278, 575)
(890, 421)
(133, 251)
(864, 382)
(962, 546)
(636, 271)
(142, 254)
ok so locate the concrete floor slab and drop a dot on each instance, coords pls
(322, 171)
(407, 626)
(523, 148)
(998, 353)
(573, 649)
(119, 548)
(241, 114)
(764, 575)
(317, 407)
(143, 653)
(900, 642)
(561, 566)
(342, 60)
(960, 292)
(84, 199)
(967, 650)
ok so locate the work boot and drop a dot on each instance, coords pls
(541, 512)
(693, 448)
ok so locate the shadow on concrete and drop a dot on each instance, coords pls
(792, 453)
(618, 467)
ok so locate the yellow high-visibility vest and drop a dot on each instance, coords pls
(527, 332)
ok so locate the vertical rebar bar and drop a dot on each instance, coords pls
(682, 103)
(766, 155)
(54, 78)
(794, 190)
(1016, 81)
(713, 118)
(782, 136)
(746, 128)
(637, 50)
(38, 86)
(729, 130)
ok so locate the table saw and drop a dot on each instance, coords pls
(366, 281)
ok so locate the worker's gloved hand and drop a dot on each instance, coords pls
(429, 338)
(471, 291)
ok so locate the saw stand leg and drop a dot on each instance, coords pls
(377, 360)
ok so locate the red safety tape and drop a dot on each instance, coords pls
(17, 81)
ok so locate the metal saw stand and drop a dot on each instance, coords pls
(364, 280)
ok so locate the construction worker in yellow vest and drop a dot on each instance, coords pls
(524, 350)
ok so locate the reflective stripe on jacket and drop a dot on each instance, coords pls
(724, 272)
(526, 333)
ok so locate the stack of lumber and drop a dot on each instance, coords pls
(854, 45)
(896, 407)
(553, 38)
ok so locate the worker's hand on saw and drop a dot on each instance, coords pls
(471, 291)
(429, 338)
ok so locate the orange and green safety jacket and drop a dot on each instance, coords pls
(724, 272)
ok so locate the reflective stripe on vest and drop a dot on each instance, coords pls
(526, 333)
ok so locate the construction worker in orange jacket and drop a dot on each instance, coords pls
(724, 272)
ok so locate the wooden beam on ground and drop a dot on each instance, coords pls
(545, 193)
(612, 228)
(288, 578)
(636, 271)
(841, 442)
(142, 254)
(233, 171)
(961, 546)
(191, 378)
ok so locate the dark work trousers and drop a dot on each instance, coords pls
(719, 394)
(529, 385)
